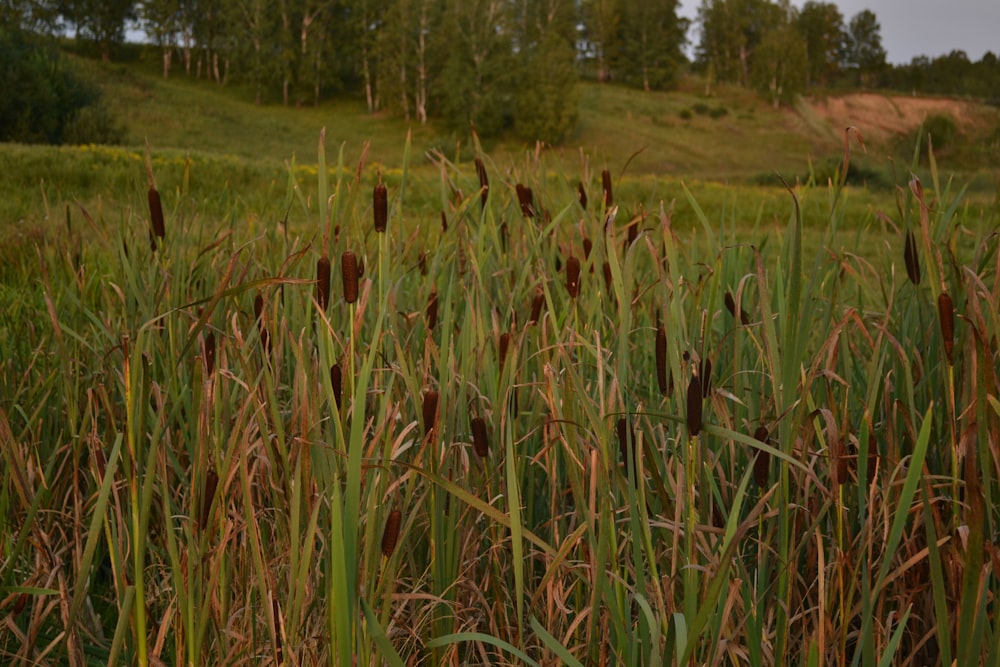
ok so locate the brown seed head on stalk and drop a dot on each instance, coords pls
(480, 437)
(323, 281)
(873, 457)
(422, 262)
(609, 198)
(429, 409)
(840, 462)
(484, 182)
(504, 348)
(432, 310)
(582, 192)
(762, 461)
(537, 303)
(349, 273)
(588, 246)
(573, 276)
(380, 206)
(444, 223)
(661, 359)
(211, 483)
(626, 444)
(911, 258)
(526, 198)
(694, 407)
(705, 371)
(209, 354)
(337, 383)
(946, 318)
(156, 215)
(390, 535)
(608, 275)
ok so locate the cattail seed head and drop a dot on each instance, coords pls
(504, 235)
(526, 199)
(390, 534)
(838, 451)
(694, 406)
(337, 383)
(380, 207)
(209, 354)
(323, 281)
(626, 444)
(705, 372)
(661, 359)
(609, 199)
(588, 245)
(429, 410)
(349, 273)
(573, 276)
(608, 276)
(946, 318)
(480, 437)
(156, 213)
(484, 182)
(422, 262)
(537, 303)
(582, 192)
(504, 348)
(444, 222)
(432, 310)
(762, 461)
(911, 258)
(873, 457)
(211, 483)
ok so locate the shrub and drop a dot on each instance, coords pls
(685, 114)
(718, 112)
(701, 108)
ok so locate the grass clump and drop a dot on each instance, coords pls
(467, 455)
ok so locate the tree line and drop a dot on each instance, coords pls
(499, 65)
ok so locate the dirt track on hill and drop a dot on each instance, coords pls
(878, 117)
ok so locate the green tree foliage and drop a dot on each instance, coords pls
(99, 21)
(45, 100)
(779, 65)
(648, 50)
(864, 52)
(600, 22)
(731, 30)
(822, 26)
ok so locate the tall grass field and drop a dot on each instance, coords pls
(504, 414)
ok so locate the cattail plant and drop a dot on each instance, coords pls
(422, 262)
(484, 182)
(157, 226)
(480, 437)
(504, 236)
(504, 346)
(588, 246)
(337, 383)
(946, 318)
(349, 273)
(573, 276)
(911, 258)
(429, 410)
(582, 194)
(608, 276)
(626, 445)
(705, 371)
(209, 354)
(537, 304)
(380, 206)
(731, 307)
(762, 460)
(258, 314)
(323, 281)
(432, 310)
(838, 452)
(444, 223)
(208, 495)
(695, 396)
(526, 199)
(609, 198)
(390, 534)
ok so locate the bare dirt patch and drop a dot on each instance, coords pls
(880, 117)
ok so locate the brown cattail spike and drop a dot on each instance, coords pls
(211, 483)
(573, 276)
(694, 407)
(323, 281)
(444, 222)
(626, 445)
(429, 409)
(608, 276)
(661, 359)
(480, 437)
(946, 318)
(209, 354)
(588, 245)
(484, 182)
(838, 451)
(582, 192)
(349, 273)
(337, 383)
(504, 348)
(390, 535)
(537, 303)
(526, 199)
(705, 372)
(380, 207)
(911, 258)
(422, 262)
(156, 213)
(609, 198)
(762, 461)
(432, 310)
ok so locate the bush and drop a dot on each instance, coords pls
(685, 114)
(718, 112)
(45, 100)
(701, 108)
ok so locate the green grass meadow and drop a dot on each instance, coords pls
(685, 421)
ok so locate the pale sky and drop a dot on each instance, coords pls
(916, 27)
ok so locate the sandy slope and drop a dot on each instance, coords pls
(880, 116)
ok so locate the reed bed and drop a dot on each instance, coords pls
(473, 452)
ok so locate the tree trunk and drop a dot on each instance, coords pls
(166, 62)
